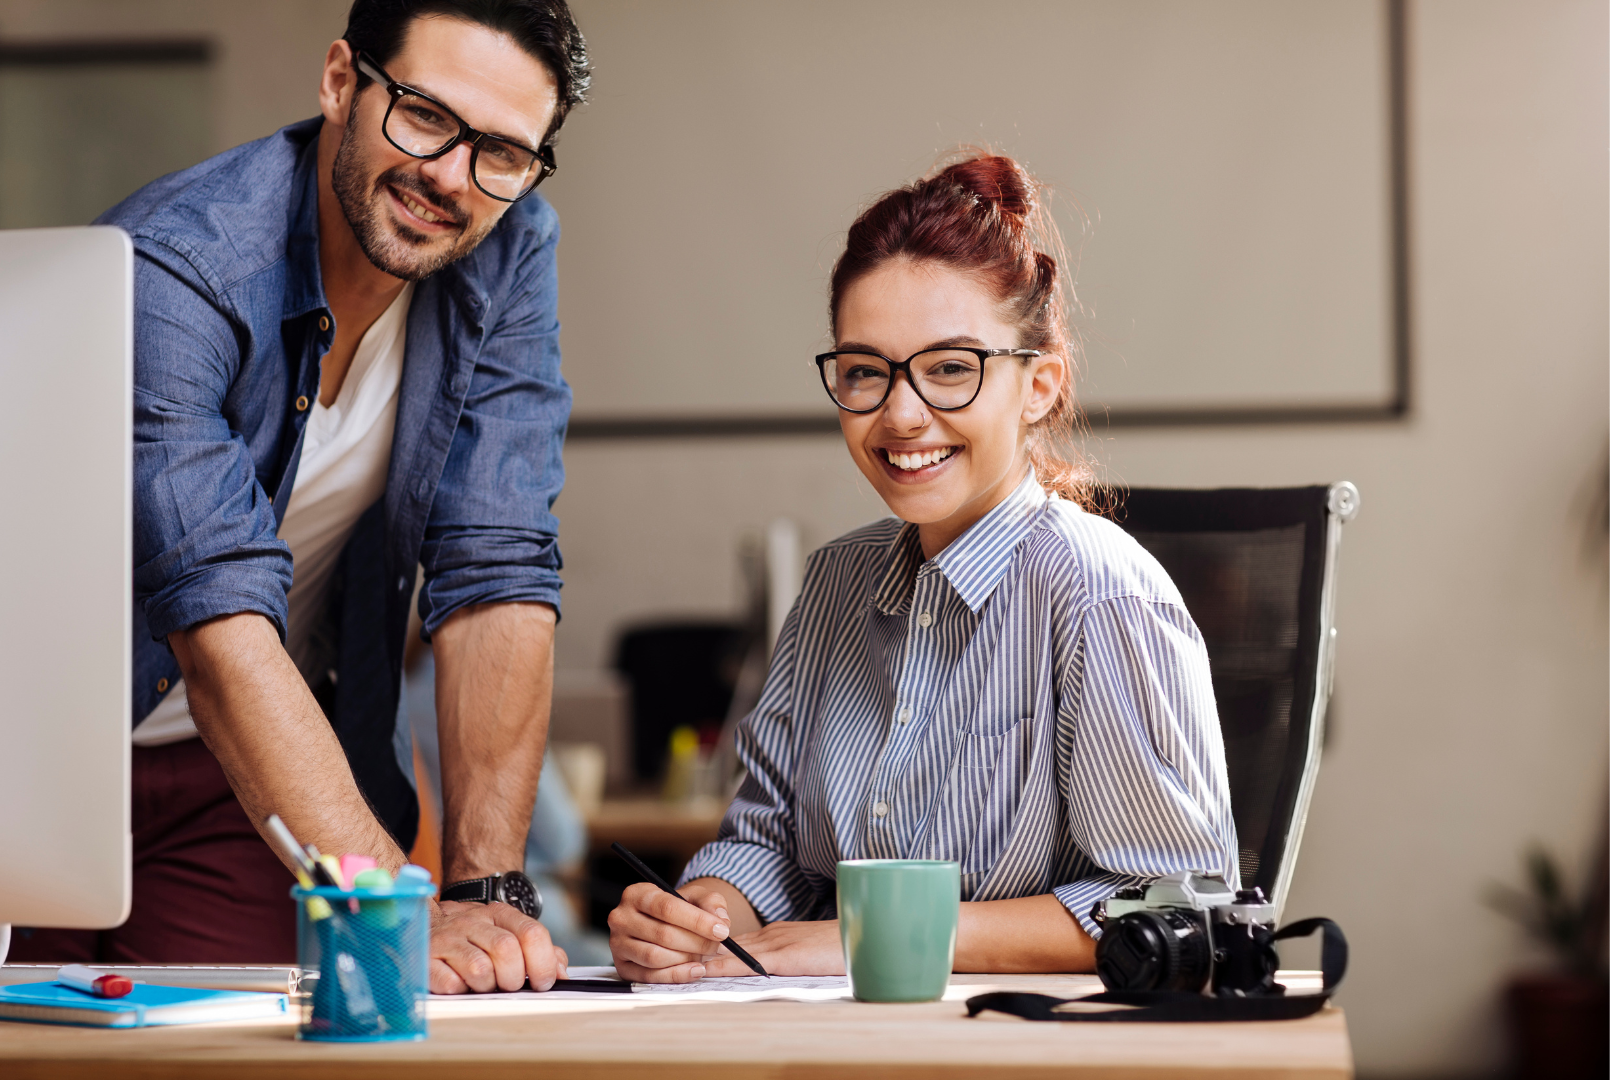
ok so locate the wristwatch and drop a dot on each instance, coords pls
(513, 888)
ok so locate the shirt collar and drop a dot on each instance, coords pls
(973, 563)
(304, 284)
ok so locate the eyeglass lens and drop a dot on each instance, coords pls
(421, 127)
(945, 378)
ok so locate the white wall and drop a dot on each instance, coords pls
(1471, 694)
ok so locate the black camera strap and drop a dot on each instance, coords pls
(1174, 1007)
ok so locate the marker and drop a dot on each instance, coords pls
(94, 982)
(654, 879)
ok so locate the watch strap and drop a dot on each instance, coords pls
(481, 890)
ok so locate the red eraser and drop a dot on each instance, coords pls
(113, 986)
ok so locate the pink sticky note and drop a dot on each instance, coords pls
(351, 864)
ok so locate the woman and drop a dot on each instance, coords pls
(994, 676)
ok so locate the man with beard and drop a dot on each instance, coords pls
(346, 369)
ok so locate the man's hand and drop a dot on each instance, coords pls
(483, 947)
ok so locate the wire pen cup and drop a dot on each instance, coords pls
(365, 958)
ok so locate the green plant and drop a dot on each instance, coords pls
(1570, 925)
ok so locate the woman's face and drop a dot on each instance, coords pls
(958, 465)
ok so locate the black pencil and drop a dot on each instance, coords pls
(654, 879)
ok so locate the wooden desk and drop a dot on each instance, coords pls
(629, 1038)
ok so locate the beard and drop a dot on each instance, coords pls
(393, 247)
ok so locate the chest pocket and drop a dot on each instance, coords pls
(984, 791)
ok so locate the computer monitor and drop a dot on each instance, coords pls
(66, 591)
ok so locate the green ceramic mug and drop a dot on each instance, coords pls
(897, 919)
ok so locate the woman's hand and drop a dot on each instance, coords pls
(656, 938)
(785, 948)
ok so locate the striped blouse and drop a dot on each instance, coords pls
(1033, 703)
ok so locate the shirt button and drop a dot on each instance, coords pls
(925, 620)
(880, 808)
(905, 713)
(301, 403)
(162, 686)
(402, 583)
(324, 322)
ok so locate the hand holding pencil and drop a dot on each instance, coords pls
(659, 934)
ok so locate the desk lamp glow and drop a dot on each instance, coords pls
(66, 451)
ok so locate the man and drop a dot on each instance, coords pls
(347, 367)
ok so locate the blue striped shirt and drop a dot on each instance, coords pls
(1033, 703)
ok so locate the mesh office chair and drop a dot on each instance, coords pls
(1257, 569)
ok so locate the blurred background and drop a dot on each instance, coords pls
(1347, 239)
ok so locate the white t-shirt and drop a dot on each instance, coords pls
(345, 452)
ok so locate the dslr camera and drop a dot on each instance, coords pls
(1188, 932)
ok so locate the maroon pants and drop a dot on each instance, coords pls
(207, 889)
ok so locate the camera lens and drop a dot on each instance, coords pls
(1154, 950)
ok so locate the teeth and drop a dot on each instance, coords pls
(912, 462)
(420, 210)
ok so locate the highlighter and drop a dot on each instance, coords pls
(94, 982)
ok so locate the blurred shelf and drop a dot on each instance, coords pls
(653, 825)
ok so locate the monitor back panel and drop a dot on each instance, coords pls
(66, 450)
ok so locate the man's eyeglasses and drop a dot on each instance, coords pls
(422, 127)
(945, 379)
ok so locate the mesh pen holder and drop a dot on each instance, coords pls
(365, 959)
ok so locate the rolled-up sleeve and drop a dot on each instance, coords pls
(756, 848)
(491, 536)
(1148, 793)
(204, 528)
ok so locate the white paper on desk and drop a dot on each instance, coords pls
(747, 988)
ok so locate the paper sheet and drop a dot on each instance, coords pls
(748, 988)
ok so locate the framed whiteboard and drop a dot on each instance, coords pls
(1230, 174)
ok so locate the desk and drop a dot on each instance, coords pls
(617, 1037)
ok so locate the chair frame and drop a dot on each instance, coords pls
(1210, 510)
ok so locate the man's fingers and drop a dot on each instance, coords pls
(468, 961)
(508, 958)
(538, 960)
(444, 980)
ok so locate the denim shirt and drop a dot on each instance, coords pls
(230, 326)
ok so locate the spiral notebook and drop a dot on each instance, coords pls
(145, 1006)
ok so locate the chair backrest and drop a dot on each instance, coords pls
(1257, 569)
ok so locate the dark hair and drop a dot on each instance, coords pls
(984, 215)
(543, 28)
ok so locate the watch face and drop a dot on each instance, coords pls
(516, 890)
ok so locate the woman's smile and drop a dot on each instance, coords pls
(917, 465)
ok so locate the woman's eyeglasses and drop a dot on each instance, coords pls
(422, 127)
(945, 379)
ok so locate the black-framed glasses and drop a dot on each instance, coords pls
(945, 379)
(422, 127)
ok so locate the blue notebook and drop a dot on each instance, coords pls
(145, 1006)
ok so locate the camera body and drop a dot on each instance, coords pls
(1188, 932)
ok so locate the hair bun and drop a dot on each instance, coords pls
(994, 179)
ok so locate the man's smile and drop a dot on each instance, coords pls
(426, 217)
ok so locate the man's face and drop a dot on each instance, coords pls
(413, 217)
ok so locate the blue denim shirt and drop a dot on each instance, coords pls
(230, 326)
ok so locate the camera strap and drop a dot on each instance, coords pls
(1177, 1007)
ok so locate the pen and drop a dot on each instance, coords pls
(94, 982)
(654, 879)
(280, 836)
